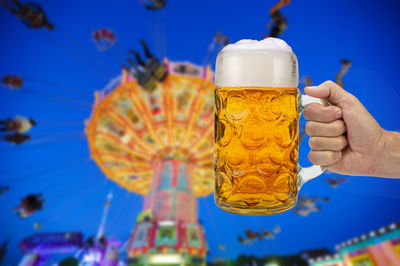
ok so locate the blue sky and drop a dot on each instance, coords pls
(56, 162)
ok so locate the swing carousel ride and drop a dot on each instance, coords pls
(159, 144)
(150, 132)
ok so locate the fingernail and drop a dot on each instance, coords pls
(339, 114)
(338, 154)
(310, 88)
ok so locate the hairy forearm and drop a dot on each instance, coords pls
(388, 160)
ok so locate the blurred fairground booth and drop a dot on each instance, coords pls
(379, 247)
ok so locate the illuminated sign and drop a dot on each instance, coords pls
(165, 259)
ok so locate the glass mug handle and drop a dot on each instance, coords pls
(305, 174)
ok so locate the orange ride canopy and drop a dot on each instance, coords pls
(131, 129)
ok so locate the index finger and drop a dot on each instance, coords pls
(330, 91)
(318, 112)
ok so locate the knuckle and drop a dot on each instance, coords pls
(310, 111)
(307, 113)
(311, 143)
(311, 157)
(329, 82)
(309, 128)
(316, 157)
(327, 115)
(322, 157)
(342, 142)
(339, 126)
(331, 157)
(342, 126)
(349, 100)
(331, 110)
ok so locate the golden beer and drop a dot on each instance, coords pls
(256, 149)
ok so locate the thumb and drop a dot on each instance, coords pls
(331, 91)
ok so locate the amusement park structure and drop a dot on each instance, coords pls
(158, 142)
(378, 247)
(39, 248)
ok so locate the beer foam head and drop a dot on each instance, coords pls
(250, 63)
(271, 44)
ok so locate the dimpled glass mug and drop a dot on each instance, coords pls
(257, 109)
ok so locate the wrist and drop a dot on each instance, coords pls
(387, 163)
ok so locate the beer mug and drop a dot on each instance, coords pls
(257, 109)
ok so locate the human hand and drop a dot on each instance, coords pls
(346, 138)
